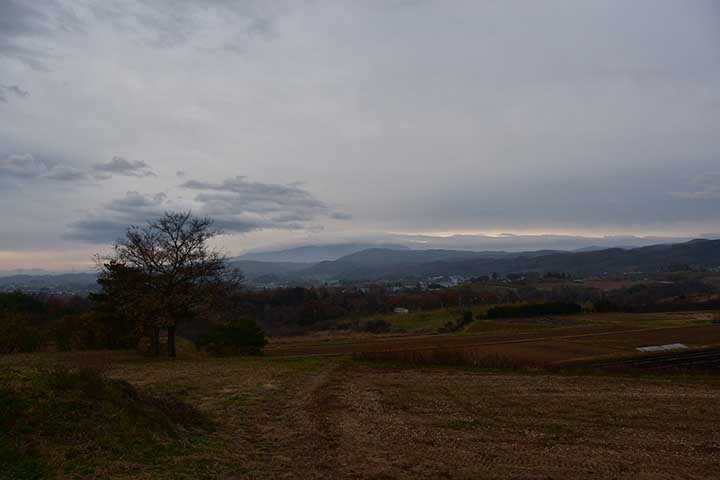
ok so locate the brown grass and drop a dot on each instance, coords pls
(334, 418)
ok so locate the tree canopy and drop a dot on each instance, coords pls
(165, 273)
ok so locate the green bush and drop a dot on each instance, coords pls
(238, 337)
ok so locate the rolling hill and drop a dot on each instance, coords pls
(383, 264)
(67, 282)
(374, 264)
(315, 253)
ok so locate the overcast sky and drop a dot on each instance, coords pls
(313, 121)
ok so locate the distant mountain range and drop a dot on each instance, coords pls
(371, 264)
(316, 253)
(696, 253)
(58, 282)
(508, 242)
(394, 264)
(26, 271)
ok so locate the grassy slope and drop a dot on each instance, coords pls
(72, 423)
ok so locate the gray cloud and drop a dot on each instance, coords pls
(279, 206)
(260, 195)
(341, 216)
(135, 202)
(703, 187)
(170, 23)
(585, 117)
(18, 21)
(14, 90)
(66, 173)
(110, 222)
(27, 167)
(236, 205)
(23, 23)
(22, 166)
(121, 166)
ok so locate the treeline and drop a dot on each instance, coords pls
(30, 322)
(293, 310)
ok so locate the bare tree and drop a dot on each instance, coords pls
(166, 272)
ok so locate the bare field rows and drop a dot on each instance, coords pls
(536, 348)
(706, 359)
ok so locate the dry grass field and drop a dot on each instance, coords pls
(336, 418)
(312, 409)
(536, 341)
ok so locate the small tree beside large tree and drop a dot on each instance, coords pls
(166, 273)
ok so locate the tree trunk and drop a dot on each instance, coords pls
(171, 341)
(156, 341)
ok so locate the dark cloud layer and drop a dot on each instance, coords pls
(702, 187)
(236, 205)
(121, 166)
(170, 23)
(256, 195)
(23, 23)
(25, 167)
(11, 90)
(110, 222)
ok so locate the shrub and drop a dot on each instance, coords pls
(20, 302)
(534, 310)
(18, 334)
(239, 337)
(449, 327)
(81, 332)
(376, 325)
(91, 331)
(466, 319)
(605, 306)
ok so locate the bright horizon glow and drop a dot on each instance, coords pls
(63, 261)
(539, 233)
